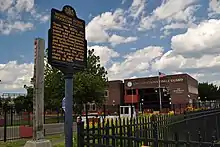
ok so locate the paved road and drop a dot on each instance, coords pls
(50, 129)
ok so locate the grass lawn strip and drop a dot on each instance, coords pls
(55, 139)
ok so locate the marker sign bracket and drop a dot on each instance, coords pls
(67, 46)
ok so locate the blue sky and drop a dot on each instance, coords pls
(134, 38)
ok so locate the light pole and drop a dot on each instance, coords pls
(141, 104)
(113, 103)
(199, 102)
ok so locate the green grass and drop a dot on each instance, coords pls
(57, 140)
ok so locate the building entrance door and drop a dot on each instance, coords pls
(149, 99)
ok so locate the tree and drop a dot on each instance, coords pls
(89, 85)
(24, 103)
(19, 103)
(54, 88)
(28, 101)
(208, 91)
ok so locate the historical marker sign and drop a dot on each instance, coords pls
(67, 51)
(67, 44)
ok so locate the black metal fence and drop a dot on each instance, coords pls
(12, 122)
(198, 129)
(17, 125)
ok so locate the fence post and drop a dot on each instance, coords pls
(29, 117)
(113, 131)
(180, 109)
(121, 126)
(155, 131)
(187, 138)
(58, 116)
(5, 122)
(129, 127)
(11, 115)
(44, 116)
(119, 111)
(80, 133)
(217, 127)
(87, 119)
(176, 138)
(104, 109)
(173, 108)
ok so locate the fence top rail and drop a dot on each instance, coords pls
(202, 111)
(193, 118)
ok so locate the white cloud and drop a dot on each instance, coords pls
(116, 39)
(14, 76)
(170, 10)
(5, 4)
(123, 1)
(204, 66)
(98, 27)
(135, 62)
(147, 23)
(137, 8)
(174, 9)
(40, 16)
(214, 7)
(7, 28)
(203, 39)
(175, 26)
(197, 51)
(166, 33)
(170, 61)
(104, 53)
(18, 16)
(44, 18)
(24, 5)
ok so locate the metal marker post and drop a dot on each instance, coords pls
(77, 55)
(68, 110)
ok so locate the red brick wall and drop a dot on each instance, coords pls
(115, 92)
(177, 84)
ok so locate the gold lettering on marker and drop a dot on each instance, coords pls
(67, 39)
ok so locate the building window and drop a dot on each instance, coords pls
(106, 93)
(131, 92)
(91, 107)
(192, 89)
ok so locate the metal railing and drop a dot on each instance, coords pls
(191, 129)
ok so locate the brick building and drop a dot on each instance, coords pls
(115, 93)
(180, 88)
